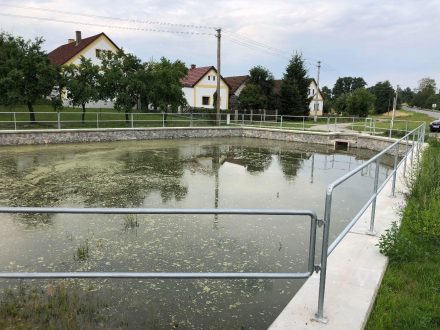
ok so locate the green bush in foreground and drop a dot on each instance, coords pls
(409, 297)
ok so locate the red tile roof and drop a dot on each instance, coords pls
(235, 82)
(195, 75)
(64, 53)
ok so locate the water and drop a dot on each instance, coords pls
(193, 173)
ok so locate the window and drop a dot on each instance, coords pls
(213, 77)
(98, 52)
(206, 100)
(209, 77)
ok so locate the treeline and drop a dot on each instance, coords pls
(350, 96)
(27, 75)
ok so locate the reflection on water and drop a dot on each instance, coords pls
(220, 173)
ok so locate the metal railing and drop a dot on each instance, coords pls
(417, 137)
(406, 147)
(111, 119)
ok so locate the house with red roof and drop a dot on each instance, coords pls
(89, 47)
(199, 87)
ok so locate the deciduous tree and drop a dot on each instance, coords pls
(26, 74)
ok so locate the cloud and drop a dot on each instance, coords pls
(376, 40)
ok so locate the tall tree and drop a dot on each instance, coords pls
(121, 80)
(26, 74)
(406, 95)
(163, 81)
(425, 93)
(384, 93)
(294, 88)
(328, 99)
(262, 77)
(252, 97)
(346, 85)
(358, 103)
(81, 82)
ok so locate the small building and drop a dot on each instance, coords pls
(236, 83)
(199, 87)
(90, 48)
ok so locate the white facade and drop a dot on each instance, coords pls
(202, 94)
(101, 44)
(316, 105)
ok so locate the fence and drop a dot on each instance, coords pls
(109, 119)
(407, 147)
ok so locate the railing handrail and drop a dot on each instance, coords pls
(187, 275)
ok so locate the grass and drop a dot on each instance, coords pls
(409, 297)
(404, 121)
(82, 252)
(54, 307)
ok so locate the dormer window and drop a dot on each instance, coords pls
(209, 77)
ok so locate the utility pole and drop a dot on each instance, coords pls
(316, 105)
(394, 109)
(217, 106)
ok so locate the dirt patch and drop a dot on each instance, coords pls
(397, 114)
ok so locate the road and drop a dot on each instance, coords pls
(430, 113)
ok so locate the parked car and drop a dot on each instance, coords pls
(435, 126)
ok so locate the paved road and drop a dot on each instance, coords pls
(433, 114)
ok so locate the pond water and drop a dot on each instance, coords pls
(192, 173)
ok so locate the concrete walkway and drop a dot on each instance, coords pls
(354, 273)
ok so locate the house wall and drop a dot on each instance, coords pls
(90, 51)
(317, 101)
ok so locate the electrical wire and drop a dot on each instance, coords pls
(113, 18)
(106, 25)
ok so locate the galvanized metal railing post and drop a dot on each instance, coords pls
(304, 123)
(163, 119)
(15, 122)
(391, 128)
(97, 120)
(336, 121)
(242, 119)
(281, 122)
(373, 204)
(131, 120)
(324, 256)
(406, 127)
(328, 124)
(191, 120)
(413, 145)
(396, 155)
(406, 155)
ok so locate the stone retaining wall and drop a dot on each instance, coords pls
(105, 135)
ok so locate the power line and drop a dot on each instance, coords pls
(151, 22)
(253, 46)
(106, 25)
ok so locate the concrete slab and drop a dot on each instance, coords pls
(354, 273)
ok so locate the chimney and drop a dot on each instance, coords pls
(69, 41)
(78, 37)
(193, 66)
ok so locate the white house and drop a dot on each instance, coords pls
(200, 85)
(90, 48)
(316, 105)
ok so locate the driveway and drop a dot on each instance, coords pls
(430, 113)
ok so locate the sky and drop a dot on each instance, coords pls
(390, 40)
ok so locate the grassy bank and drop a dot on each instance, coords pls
(409, 297)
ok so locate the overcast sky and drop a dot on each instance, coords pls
(390, 40)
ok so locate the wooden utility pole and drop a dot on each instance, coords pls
(217, 105)
(316, 105)
(394, 109)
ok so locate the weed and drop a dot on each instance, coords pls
(130, 221)
(82, 252)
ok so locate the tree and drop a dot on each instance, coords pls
(163, 78)
(260, 76)
(252, 97)
(328, 99)
(358, 103)
(425, 93)
(26, 74)
(82, 83)
(294, 88)
(122, 80)
(384, 93)
(346, 85)
(406, 95)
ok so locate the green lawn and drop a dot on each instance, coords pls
(409, 297)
